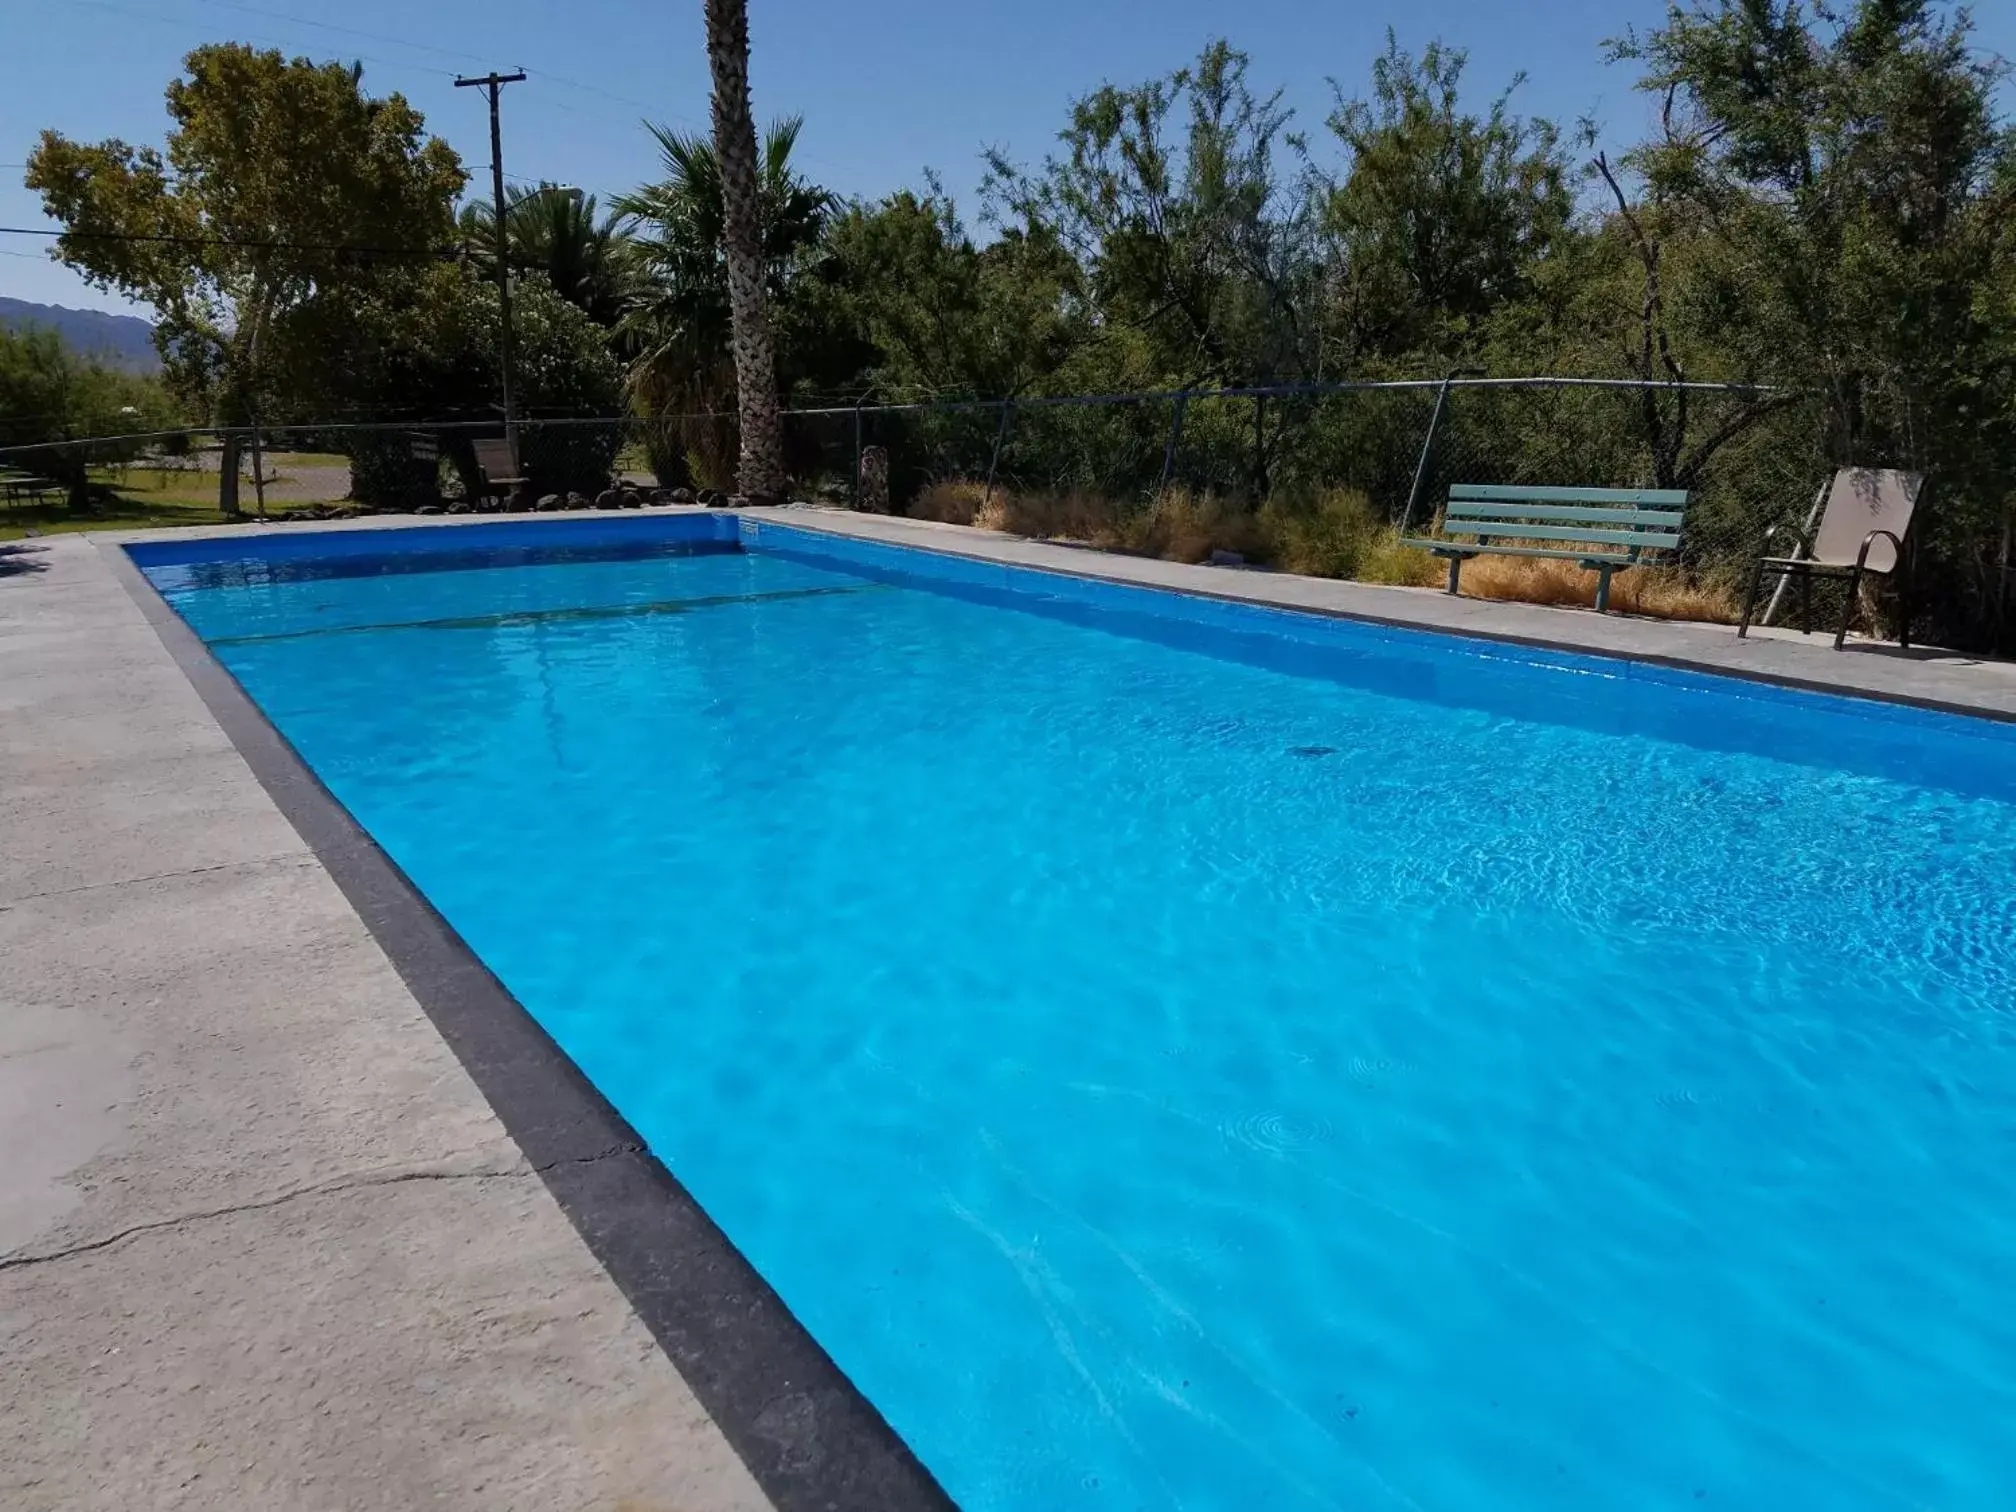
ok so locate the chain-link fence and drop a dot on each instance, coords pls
(1326, 479)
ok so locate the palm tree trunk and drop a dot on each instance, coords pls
(761, 473)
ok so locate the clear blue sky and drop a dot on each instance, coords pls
(888, 87)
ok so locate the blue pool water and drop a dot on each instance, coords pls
(1181, 1056)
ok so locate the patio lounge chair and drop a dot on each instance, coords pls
(1866, 527)
(499, 466)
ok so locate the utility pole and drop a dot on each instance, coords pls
(491, 84)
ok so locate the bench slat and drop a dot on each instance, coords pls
(1671, 497)
(1661, 538)
(1460, 509)
(1466, 549)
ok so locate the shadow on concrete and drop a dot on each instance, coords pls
(18, 558)
(1919, 653)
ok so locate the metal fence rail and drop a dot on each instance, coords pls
(1308, 457)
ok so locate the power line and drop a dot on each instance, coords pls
(250, 243)
(186, 21)
(548, 75)
(351, 31)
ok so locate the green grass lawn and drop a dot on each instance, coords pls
(147, 497)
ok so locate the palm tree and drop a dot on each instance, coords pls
(679, 328)
(762, 461)
(553, 229)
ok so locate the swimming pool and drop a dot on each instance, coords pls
(1172, 1053)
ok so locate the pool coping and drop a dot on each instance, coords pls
(810, 1438)
(1773, 656)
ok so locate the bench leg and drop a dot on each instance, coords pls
(1602, 589)
(1455, 571)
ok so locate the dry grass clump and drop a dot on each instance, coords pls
(1335, 533)
(1186, 527)
(953, 501)
(1178, 527)
(1069, 516)
(1663, 592)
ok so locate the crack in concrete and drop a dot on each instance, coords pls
(303, 853)
(318, 1189)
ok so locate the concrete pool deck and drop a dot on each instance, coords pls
(262, 1242)
(264, 1238)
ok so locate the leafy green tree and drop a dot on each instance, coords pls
(679, 324)
(944, 318)
(553, 230)
(425, 347)
(1172, 198)
(282, 191)
(1852, 192)
(1439, 218)
(678, 332)
(49, 394)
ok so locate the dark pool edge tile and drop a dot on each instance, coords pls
(812, 1441)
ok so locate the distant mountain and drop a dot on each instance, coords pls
(124, 340)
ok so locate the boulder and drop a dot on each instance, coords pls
(660, 497)
(578, 500)
(609, 498)
(680, 495)
(430, 509)
(1224, 558)
(548, 503)
(629, 498)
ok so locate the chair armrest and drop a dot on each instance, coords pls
(1862, 556)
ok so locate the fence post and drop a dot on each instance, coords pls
(857, 449)
(1427, 446)
(1259, 448)
(1169, 447)
(258, 471)
(994, 457)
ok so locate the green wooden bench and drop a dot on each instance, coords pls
(1607, 530)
